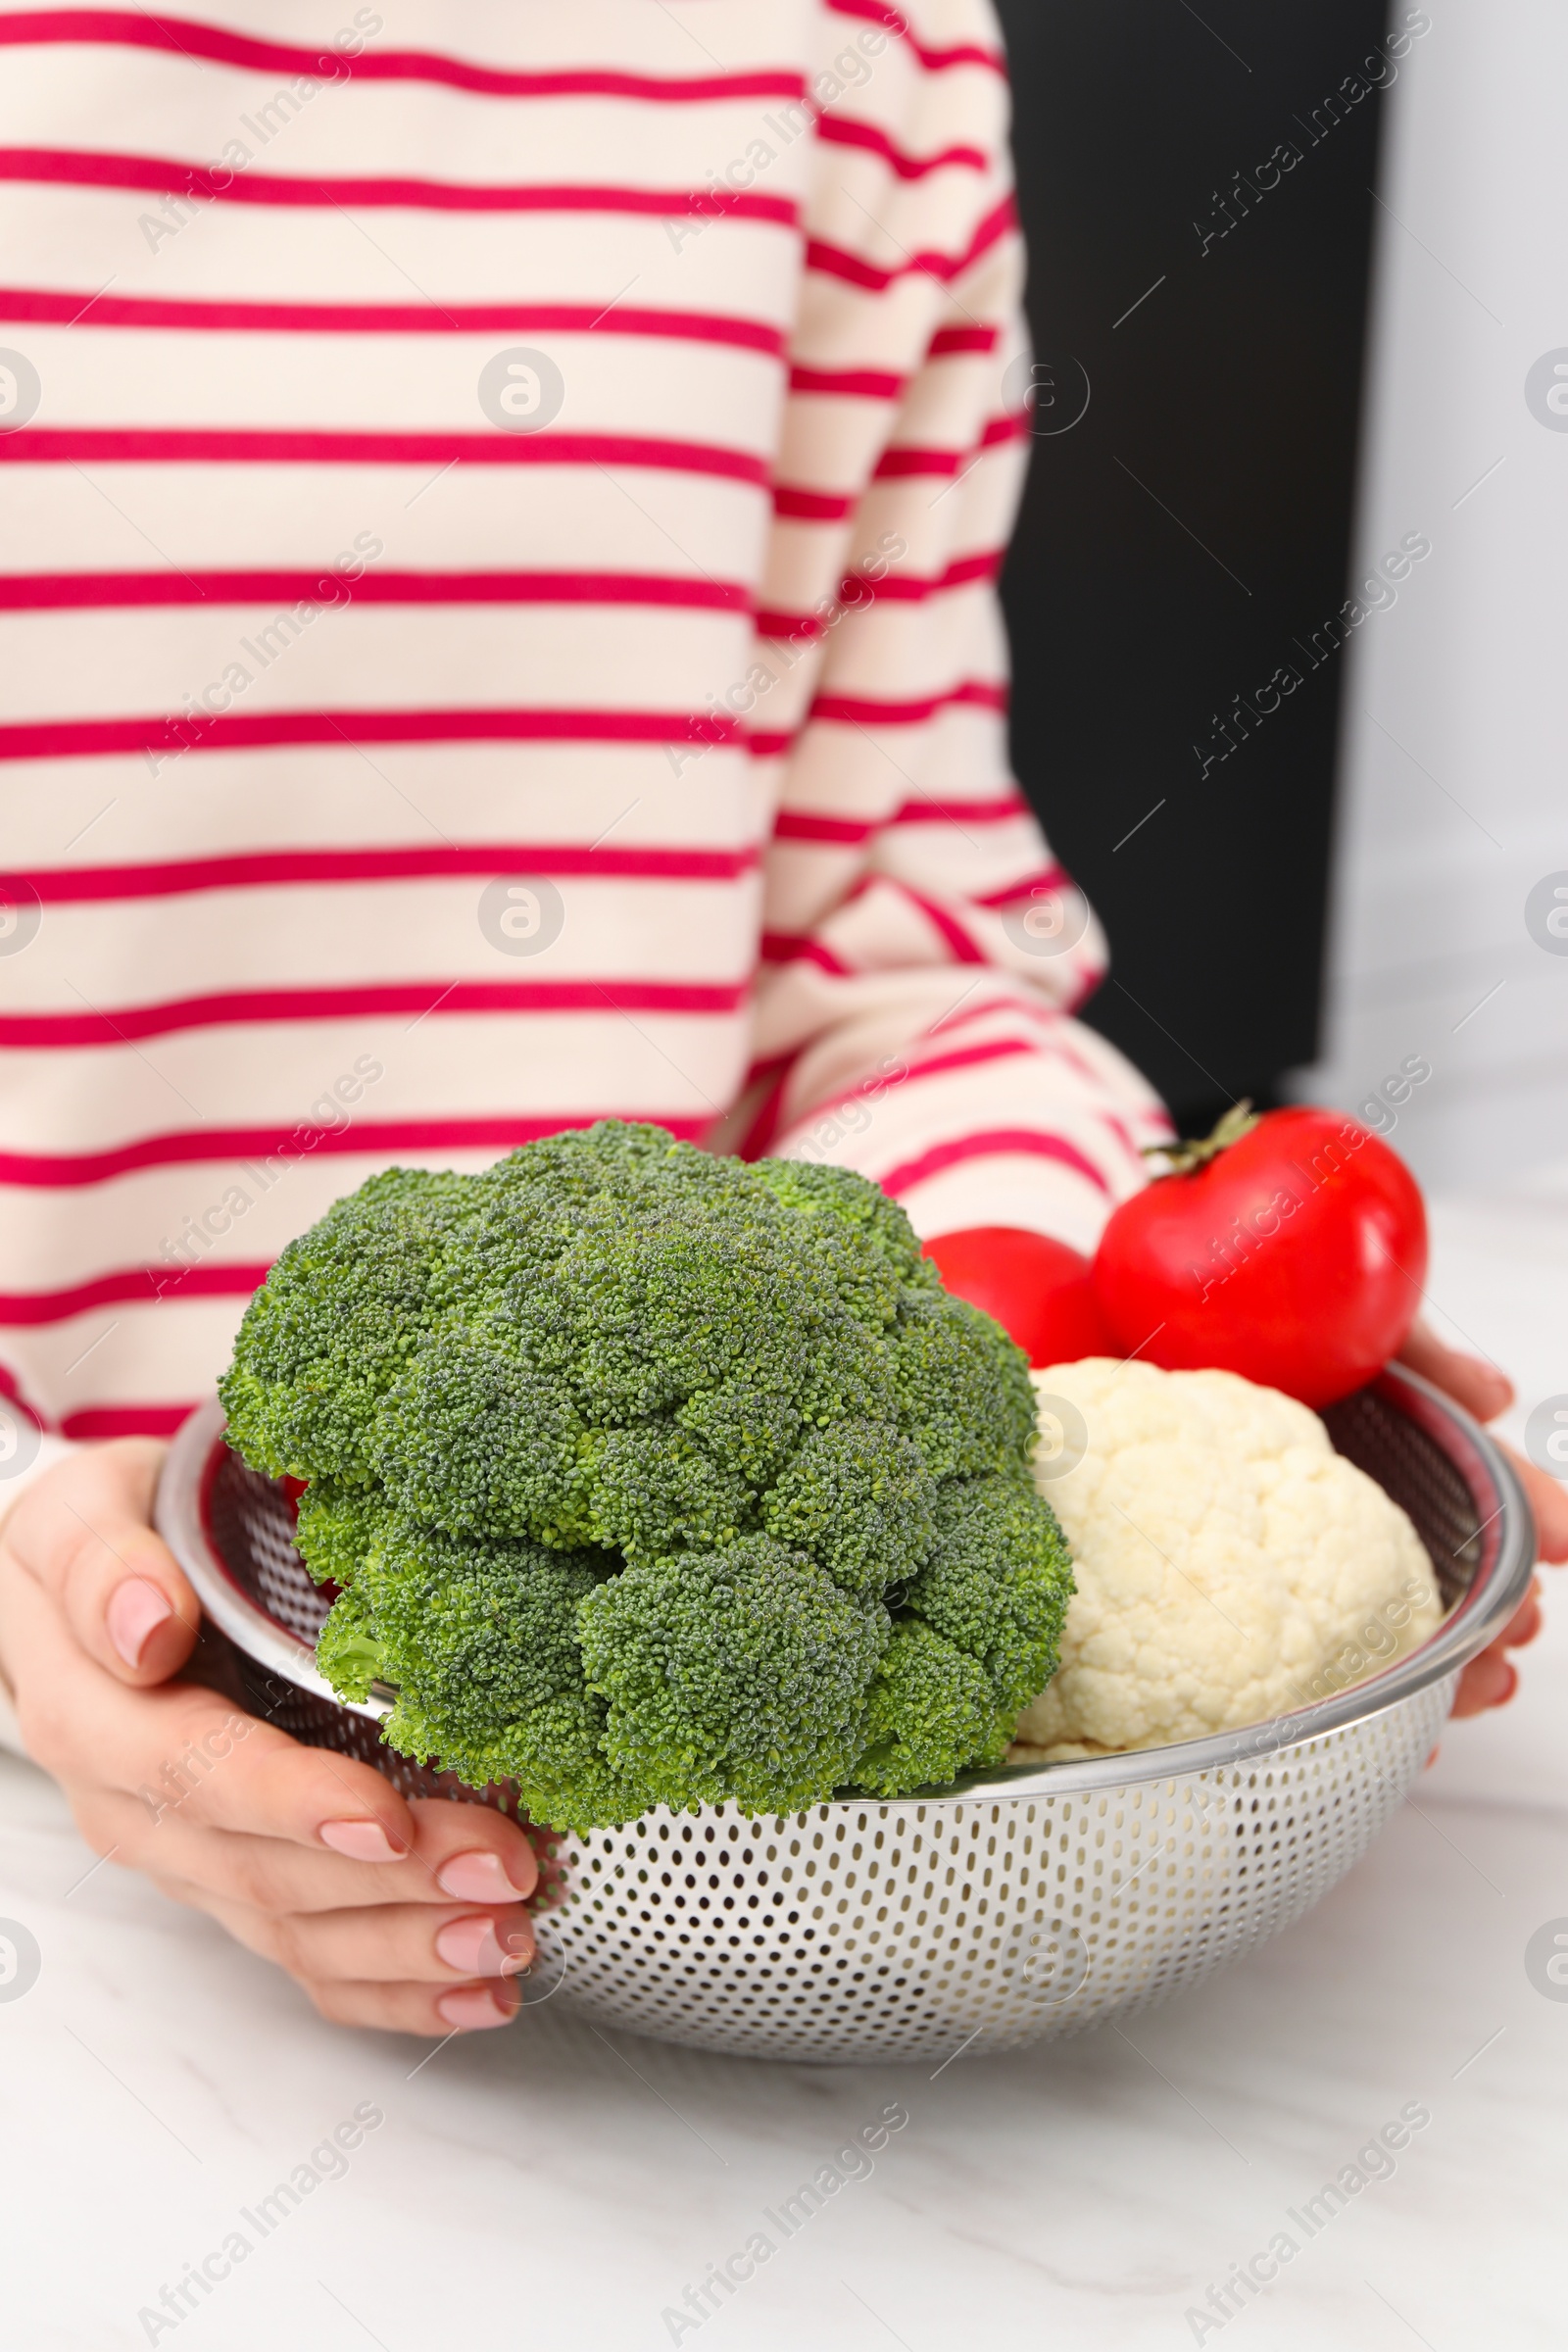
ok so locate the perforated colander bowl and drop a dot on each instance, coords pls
(1026, 1901)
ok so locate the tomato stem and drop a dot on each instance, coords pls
(1186, 1158)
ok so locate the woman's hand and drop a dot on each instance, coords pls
(405, 1916)
(1490, 1680)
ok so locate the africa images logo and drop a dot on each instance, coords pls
(521, 390)
(1547, 1959)
(20, 391)
(19, 1960)
(1546, 391)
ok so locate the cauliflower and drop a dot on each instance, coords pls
(1231, 1566)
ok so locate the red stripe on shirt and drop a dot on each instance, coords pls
(95, 1424)
(821, 505)
(48, 308)
(240, 1008)
(968, 1058)
(839, 131)
(381, 1139)
(988, 1144)
(852, 383)
(1029, 1009)
(899, 462)
(949, 340)
(184, 35)
(961, 812)
(935, 61)
(834, 260)
(843, 832)
(763, 1133)
(786, 947)
(135, 1286)
(90, 738)
(860, 710)
(952, 932)
(854, 712)
(1048, 1018)
(143, 445)
(935, 1065)
(804, 506)
(912, 588)
(76, 591)
(855, 589)
(1041, 879)
(266, 869)
(67, 167)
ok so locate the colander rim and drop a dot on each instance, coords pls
(1495, 1592)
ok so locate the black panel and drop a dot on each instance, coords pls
(1223, 410)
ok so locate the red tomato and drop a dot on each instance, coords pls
(1040, 1292)
(1294, 1257)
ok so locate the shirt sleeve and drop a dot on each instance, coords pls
(923, 951)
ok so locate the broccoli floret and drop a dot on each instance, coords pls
(480, 1642)
(651, 1477)
(335, 1323)
(998, 1584)
(958, 1391)
(859, 1496)
(337, 1526)
(348, 1649)
(476, 1438)
(655, 1489)
(740, 1673)
(932, 1712)
(867, 1237)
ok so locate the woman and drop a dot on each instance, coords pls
(502, 629)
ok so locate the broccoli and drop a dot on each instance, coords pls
(648, 1477)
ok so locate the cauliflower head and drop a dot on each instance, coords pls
(1230, 1565)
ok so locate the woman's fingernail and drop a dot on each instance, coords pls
(473, 2009)
(361, 1840)
(480, 1878)
(135, 1612)
(474, 1948)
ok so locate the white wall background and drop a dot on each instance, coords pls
(1454, 790)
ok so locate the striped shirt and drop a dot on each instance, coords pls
(499, 627)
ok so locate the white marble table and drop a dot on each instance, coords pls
(548, 2188)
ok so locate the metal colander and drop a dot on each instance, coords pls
(1026, 1901)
